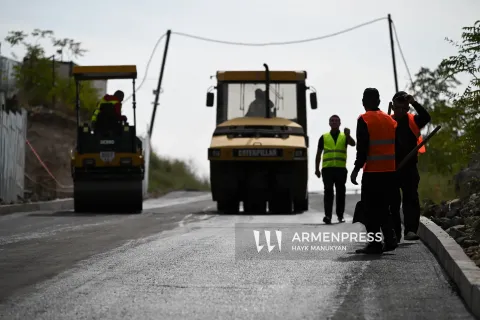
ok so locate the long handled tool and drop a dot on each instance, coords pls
(359, 213)
(415, 151)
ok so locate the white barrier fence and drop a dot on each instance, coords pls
(146, 155)
(13, 131)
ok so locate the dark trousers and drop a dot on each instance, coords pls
(377, 192)
(408, 179)
(334, 177)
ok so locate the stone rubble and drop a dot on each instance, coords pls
(460, 217)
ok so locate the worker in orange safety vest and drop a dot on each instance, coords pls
(407, 138)
(376, 154)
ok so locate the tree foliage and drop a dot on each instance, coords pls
(467, 61)
(37, 78)
(458, 114)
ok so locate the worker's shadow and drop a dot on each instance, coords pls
(405, 245)
(353, 256)
(242, 213)
(72, 213)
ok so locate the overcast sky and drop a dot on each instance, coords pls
(340, 68)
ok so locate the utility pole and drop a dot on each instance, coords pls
(159, 85)
(53, 82)
(390, 22)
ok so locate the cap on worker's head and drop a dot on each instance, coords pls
(371, 94)
(119, 94)
(399, 94)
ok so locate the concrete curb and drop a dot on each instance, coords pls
(461, 269)
(62, 204)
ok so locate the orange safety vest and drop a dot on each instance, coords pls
(381, 150)
(416, 131)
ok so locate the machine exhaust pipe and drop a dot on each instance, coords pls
(267, 91)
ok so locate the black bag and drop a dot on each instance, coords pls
(359, 213)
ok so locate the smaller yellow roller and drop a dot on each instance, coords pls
(107, 163)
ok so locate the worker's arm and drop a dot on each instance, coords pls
(318, 158)
(118, 112)
(363, 141)
(422, 118)
(350, 141)
(272, 108)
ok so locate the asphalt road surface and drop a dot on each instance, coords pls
(180, 260)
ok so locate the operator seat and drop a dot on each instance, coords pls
(107, 122)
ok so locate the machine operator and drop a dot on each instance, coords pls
(257, 106)
(115, 99)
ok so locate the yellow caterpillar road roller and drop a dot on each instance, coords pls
(258, 152)
(107, 163)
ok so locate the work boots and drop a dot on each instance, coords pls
(411, 236)
(390, 241)
(328, 220)
(389, 244)
(371, 248)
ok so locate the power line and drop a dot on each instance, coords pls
(148, 66)
(252, 44)
(278, 43)
(401, 53)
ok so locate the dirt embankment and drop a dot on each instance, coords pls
(52, 135)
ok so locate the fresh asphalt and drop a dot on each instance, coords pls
(177, 261)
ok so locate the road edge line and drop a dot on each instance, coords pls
(61, 204)
(460, 268)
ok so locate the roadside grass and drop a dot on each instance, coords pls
(435, 187)
(167, 175)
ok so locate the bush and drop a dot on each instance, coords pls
(435, 187)
(169, 175)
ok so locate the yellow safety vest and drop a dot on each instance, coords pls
(334, 155)
(97, 111)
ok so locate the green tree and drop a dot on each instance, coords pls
(458, 114)
(35, 79)
(467, 104)
(433, 92)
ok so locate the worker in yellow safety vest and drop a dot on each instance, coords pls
(334, 167)
(116, 100)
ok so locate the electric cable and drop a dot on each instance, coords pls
(401, 54)
(278, 43)
(148, 66)
(250, 44)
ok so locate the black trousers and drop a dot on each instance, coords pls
(377, 191)
(407, 180)
(334, 177)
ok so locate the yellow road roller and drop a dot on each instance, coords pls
(107, 164)
(258, 152)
